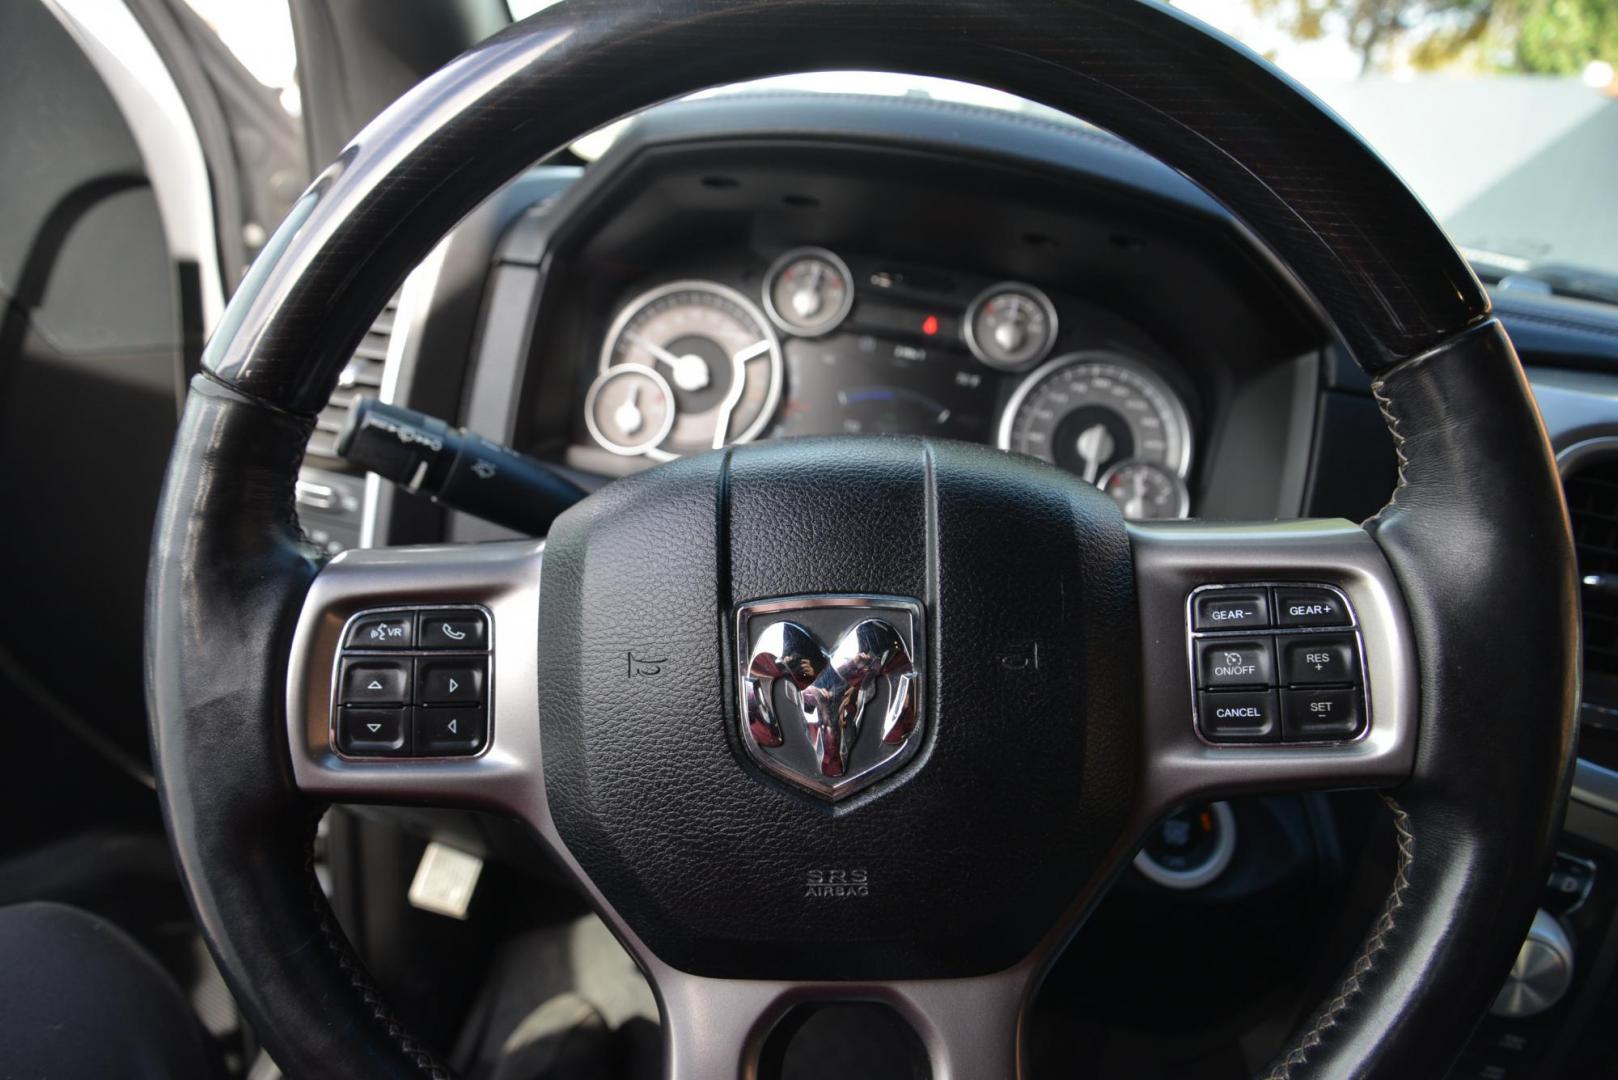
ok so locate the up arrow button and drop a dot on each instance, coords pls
(375, 682)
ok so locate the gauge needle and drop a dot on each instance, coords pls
(1135, 506)
(628, 416)
(1096, 444)
(806, 299)
(690, 371)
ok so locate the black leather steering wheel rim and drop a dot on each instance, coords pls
(1476, 532)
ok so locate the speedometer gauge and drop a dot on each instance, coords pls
(716, 353)
(1089, 412)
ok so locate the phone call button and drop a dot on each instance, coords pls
(457, 629)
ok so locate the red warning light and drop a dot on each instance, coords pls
(929, 325)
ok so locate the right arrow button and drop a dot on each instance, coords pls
(451, 682)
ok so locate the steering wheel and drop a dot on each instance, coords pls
(987, 673)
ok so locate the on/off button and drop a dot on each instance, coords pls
(1222, 662)
(1231, 609)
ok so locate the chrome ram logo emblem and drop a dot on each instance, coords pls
(830, 695)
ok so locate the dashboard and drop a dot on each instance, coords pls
(833, 343)
(781, 265)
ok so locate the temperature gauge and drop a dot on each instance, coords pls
(1143, 491)
(808, 291)
(1010, 326)
(629, 409)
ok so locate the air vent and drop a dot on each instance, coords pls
(362, 375)
(1591, 484)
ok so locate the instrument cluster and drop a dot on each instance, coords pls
(822, 348)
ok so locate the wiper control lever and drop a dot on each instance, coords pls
(456, 467)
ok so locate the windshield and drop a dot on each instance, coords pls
(1502, 115)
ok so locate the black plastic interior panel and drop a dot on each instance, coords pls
(90, 352)
(356, 56)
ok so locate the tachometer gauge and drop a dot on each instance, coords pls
(717, 354)
(1087, 412)
(1010, 326)
(1143, 491)
(629, 409)
(808, 291)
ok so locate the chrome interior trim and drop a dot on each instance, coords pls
(1172, 559)
(1576, 405)
(1580, 410)
(503, 579)
(772, 400)
(970, 318)
(833, 321)
(1136, 367)
(140, 83)
(908, 689)
(1195, 878)
(1595, 785)
(1572, 456)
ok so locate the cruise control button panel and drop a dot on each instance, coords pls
(413, 683)
(1301, 681)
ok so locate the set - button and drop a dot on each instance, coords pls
(1291, 684)
(433, 702)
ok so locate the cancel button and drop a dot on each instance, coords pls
(1238, 716)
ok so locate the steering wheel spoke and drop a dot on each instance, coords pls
(412, 678)
(716, 1028)
(1275, 656)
